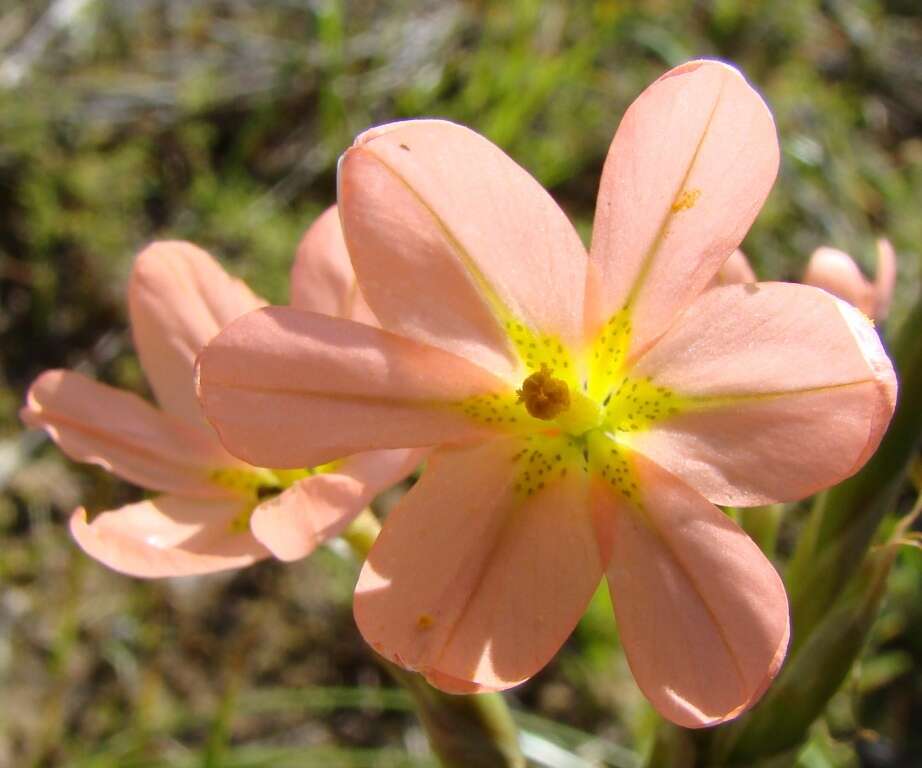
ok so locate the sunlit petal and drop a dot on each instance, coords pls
(319, 507)
(472, 583)
(789, 391)
(702, 614)
(179, 298)
(286, 388)
(885, 279)
(688, 170)
(451, 241)
(125, 435)
(736, 269)
(322, 278)
(170, 536)
(836, 272)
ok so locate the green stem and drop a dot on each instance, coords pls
(809, 679)
(673, 747)
(474, 731)
(361, 533)
(762, 523)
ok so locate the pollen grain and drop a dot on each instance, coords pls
(686, 200)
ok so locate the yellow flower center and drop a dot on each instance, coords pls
(549, 398)
(577, 411)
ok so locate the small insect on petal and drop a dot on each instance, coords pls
(424, 621)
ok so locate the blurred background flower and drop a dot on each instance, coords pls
(221, 121)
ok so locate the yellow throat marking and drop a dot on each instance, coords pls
(576, 415)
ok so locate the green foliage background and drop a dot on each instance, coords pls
(221, 122)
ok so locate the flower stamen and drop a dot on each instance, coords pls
(544, 396)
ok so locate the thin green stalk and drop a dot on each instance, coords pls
(781, 721)
(762, 524)
(361, 534)
(475, 731)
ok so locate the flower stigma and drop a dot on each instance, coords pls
(544, 396)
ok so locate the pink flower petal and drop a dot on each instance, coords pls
(449, 236)
(473, 585)
(885, 280)
(178, 299)
(450, 684)
(736, 269)
(793, 393)
(688, 170)
(286, 388)
(318, 508)
(836, 272)
(124, 435)
(701, 612)
(169, 536)
(322, 279)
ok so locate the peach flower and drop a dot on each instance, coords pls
(587, 412)
(216, 512)
(834, 271)
(736, 269)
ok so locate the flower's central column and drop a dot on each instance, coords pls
(549, 398)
